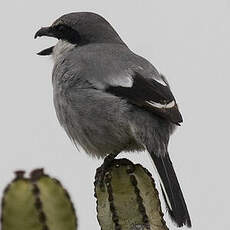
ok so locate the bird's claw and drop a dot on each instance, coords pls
(102, 171)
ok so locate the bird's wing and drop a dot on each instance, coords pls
(150, 94)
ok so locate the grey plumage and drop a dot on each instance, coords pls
(100, 122)
(109, 99)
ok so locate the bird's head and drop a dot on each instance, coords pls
(79, 29)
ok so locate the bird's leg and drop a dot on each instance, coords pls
(101, 171)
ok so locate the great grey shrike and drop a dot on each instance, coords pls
(108, 99)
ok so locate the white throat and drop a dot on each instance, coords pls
(61, 48)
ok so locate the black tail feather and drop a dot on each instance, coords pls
(175, 203)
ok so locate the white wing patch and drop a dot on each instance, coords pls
(162, 106)
(125, 80)
(161, 81)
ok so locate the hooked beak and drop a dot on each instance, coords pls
(45, 31)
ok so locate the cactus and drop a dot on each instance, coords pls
(37, 203)
(128, 199)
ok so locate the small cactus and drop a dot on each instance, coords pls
(128, 199)
(37, 203)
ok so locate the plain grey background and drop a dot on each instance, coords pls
(188, 41)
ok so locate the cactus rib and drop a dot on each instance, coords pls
(39, 203)
(129, 200)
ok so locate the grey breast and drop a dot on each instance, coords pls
(92, 118)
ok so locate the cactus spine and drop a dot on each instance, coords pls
(37, 203)
(129, 199)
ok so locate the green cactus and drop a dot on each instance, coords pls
(128, 199)
(37, 203)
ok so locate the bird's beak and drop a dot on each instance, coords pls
(45, 31)
(46, 52)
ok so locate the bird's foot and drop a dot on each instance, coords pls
(101, 171)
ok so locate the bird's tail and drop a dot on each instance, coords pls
(173, 198)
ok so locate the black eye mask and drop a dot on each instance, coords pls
(63, 32)
(66, 33)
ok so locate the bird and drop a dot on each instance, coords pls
(109, 99)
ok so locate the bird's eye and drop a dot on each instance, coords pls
(61, 28)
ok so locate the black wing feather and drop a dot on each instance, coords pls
(146, 90)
